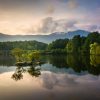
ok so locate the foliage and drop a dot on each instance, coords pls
(25, 45)
(34, 55)
(17, 52)
(94, 60)
(24, 56)
(82, 44)
(69, 47)
(77, 44)
(90, 39)
(95, 49)
(58, 44)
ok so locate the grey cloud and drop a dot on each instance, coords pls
(50, 9)
(11, 4)
(50, 80)
(50, 25)
(72, 4)
(92, 27)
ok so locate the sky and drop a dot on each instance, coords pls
(26, 17)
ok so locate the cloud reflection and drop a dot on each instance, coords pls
(50, 86)
(51, 80)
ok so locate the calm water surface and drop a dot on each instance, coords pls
(58, 78)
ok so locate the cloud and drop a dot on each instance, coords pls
(27, 13)
(50, 9)
(50, 25)
(50, 80)
(93, 27)
(18, 4)
(89, 27)
(47, 25)
(72, 4)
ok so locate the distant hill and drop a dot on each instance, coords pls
(25, 45)
(43, 38)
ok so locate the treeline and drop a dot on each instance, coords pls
(25, 45)
(78, 44)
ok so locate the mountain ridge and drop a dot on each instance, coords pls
(43, 38)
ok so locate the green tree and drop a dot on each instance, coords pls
(76, 41)
(17, 52)
(34, 56)
(94, 60)
(91, 38)
(95, 49)
(58, 44)
(75, 45)
(69, 47)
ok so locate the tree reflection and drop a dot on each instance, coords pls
(32, 70)
(18, 73)
(78, 63)
(58, 61)
(75, 63)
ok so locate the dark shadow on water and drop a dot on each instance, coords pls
(77, 62)
(7, 60)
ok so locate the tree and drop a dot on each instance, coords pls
(76, 41)
(58, 44)
(34, 55)
(17, 52)
(75, 45)
(69, 47)
(91, 38)
(25, 45)
(95, 49)
(94, 60)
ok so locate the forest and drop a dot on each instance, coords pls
(78, 44)
(25, 45)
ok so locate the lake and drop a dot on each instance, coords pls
(70, 77)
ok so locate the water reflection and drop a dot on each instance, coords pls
(18, 74)
(70, 77)
(7, 60)
(50, 86)
(32, 70)
(78, 63)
